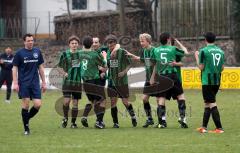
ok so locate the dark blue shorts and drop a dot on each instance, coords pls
(32, 92)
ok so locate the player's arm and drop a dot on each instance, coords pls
(134, 57)
(61, 64)
(182, 47)
(201, 56)
(114, 51)
(121, 74)
(42, 76)
(152, 79)
(174, 63)
(15, 78)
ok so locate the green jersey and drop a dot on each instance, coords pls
(212, 57)
(146, 59)
(164, 55)
(178, 68)
(90, 60)
(117, 65)
(70, 63)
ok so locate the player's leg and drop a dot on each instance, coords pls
(130, 110)
(99, 106)
(114, 112)
(2, 79)
(99, 109)
(148, 111)
(214, 111)
(25, 115)
(182, 110)
(112, 93)
(74, 113)
(207, 109)
(161, 111)
(87, 109)
(66, 102)
(9, 88)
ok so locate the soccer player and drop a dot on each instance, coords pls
(164, 58)
(6, 60)
(118, 80)
(70, 67)
(210, 61)
(27, 65)
(102, 50)
(145, 41)
(177, 64)
(91, 61)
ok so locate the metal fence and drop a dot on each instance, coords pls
(190, 18)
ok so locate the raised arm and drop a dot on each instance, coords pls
(182, 47)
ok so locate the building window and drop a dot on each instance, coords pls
(79, 4)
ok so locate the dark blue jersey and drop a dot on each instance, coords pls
(28, 62)
(7, 62)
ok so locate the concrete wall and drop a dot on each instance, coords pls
(38, 11)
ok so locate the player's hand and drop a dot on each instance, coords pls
(1, 61)
(16, 87)
(113, 53)
(66, 75)
(152, 81)
(104, 54)
(121, 74)
(173, 63)
(102, 75)
(44, 87)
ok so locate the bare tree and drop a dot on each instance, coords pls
(236, 28)
(145, 5)
(70, 17)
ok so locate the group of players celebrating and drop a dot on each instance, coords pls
(90, 67)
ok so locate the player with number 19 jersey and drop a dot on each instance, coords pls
(212, 57)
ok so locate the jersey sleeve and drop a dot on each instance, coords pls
(41, 60)
(61, 61)
(141, 55)
(179, 52)
(100, 60)
(201, 57)
(153, 56)
(17, 59)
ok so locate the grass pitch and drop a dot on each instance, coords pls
(47, 135)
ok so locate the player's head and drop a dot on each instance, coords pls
(165, 38)
(210, 37)
(87, 42)
(96, 43)
(145, 40)
(73, 42)
(111, 41)
(28, 41)
(8, 50)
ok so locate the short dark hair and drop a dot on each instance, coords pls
(164, 38)
(27, 35)
(87, 41)
(73, 37)
(210, 37)
(111, 37)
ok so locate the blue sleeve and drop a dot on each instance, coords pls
(16, 59)
(40, 61)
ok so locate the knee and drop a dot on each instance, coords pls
(37, 105)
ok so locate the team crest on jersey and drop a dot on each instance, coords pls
(35, 55)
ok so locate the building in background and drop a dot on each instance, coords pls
(36, 16)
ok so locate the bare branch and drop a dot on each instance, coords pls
(111, 1)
